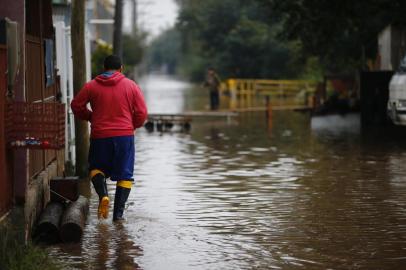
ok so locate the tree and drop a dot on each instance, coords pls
(340, 33)
(165, 51)
(98, 56)
(133, 49)
(235, 37)
(284, 38)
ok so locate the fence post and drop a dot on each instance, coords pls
(268, 111)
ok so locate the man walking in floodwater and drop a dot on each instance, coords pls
(213, 83)
(117, 109)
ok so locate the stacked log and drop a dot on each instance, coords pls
(48, 226)
(74, 219)
(58, 222)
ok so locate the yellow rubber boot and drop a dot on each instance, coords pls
(103, 211)
(99, 184)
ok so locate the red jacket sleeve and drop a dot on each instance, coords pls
(140, 109)
(79, 105)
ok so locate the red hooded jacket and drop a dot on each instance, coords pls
(117, 103)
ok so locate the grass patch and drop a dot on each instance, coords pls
(16, 256)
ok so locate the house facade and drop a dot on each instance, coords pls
(28, 52)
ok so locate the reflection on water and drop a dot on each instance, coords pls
(244, 195)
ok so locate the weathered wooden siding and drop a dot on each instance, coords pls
(39, 13)
(6, 186)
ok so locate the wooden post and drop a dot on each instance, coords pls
(268, 106)
(268, 112)
(118, 23)
(74, 219)
(79, 79)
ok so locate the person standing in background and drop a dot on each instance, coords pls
(213, 84)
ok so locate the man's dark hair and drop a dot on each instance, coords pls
(112, 62)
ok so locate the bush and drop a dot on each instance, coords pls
(100, 53)
(16, 256)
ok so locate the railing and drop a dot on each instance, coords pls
(35, 125)
(297, 92)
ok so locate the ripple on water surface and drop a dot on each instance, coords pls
(247, 196)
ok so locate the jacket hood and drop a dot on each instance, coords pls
(110, 80)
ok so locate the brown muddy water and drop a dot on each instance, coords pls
(294, 193)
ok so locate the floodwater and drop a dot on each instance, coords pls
(247, 193)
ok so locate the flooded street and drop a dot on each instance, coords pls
(290, 193)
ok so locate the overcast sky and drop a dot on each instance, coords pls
(154, 16)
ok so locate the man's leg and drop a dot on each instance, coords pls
(123, 170)
(123, 189)
(212, 100)
(216, 100)
(99, 183)
(100, 160)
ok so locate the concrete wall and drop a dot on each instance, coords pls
(398, 46)
(23, 217)
(391, 47)
(384, 47)
(38, 195)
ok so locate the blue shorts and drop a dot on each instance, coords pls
(113, 156)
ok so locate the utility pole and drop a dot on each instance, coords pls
(135, 18)
(118, 23)
(79, 79)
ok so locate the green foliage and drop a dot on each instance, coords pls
(133, 52)
(100, 53)
(192, 66)
(341, 33)
(283, 38)
(15, 256)
(236, 38)
(165, 51)
(133, 49)
(312, 70)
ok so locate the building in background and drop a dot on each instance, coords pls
(391, 47)
(100, 17)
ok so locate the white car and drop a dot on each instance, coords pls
(397, 96)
